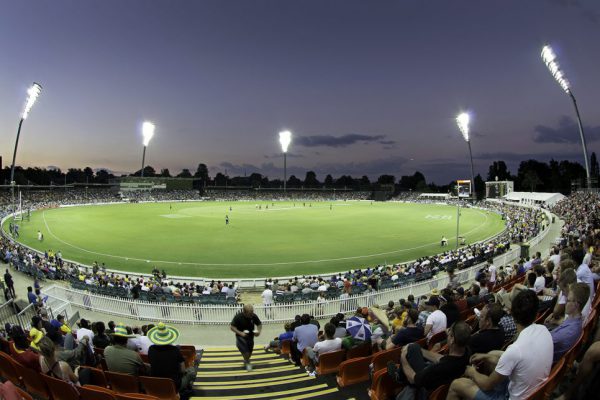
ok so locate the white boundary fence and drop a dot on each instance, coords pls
(278, 312)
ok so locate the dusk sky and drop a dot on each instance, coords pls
(366, 87)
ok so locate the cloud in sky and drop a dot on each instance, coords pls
(566, 132)
(580, 5)
(341, 141)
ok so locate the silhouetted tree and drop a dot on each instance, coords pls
(500, 170)
(165, 173)
(202, 172)
(328, 181)
(310, 181)
(594, 167)
(185, 173)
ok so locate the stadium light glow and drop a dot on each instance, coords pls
(549, 58)
(285, 138)
(463, 120)
(147, 133)
(32, 94)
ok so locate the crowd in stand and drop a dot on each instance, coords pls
(290, 195)
(500, 338)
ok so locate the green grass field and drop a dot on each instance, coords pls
(191, 239)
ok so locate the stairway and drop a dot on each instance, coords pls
(221, 375)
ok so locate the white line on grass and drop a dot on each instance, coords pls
(254, 264)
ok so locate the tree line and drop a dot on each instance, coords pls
(531, 175)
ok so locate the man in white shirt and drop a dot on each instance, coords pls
(328, 345)
(436, 321)
(267, 297)
(144, 342)
(492, 272)
(519, 370)
(555, 257)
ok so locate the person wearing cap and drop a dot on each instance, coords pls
(519, 370)
(121, 359)
(166, 360)
(246, 325)
(436, 321)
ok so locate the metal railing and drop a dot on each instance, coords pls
(223, 314)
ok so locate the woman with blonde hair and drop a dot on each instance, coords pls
(51, 366)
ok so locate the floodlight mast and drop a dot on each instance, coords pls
(463, 121)
(285, 138)
(33, 93)
(147, 132)
(549, 58)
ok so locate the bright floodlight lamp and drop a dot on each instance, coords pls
(147, 133)
(32, 94)
(463, 121)
(285, 138)
(549, 58)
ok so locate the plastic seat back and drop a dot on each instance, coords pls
(60, 389)
(286, 348)
(543, 391)
(329, 363)
(354, 371)
(381, 359)
(163, 388)
(437, 338)
(23, 394)
(189, 354)
(92, 392)
(33, 384)
(135, 396)
(123, 383)
(383, 387)
(97, 377)
(362, 350)
(440, 393)
(8, 369)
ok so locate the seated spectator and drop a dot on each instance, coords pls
(121, 359)
(517, 371)
(566, 334)
(425, 370)
(490, 336)
(20, 350)
(340, 326)
(330, 344)
(36, 332)
(166, 360)
(85, 329)
(460, 300)
(59, 324)
(436, 322)
(408, 334)
(507, 322)
(448, 307)
(305, 335)
(51, 366)
(473, 296)
(101, 339)
(275, 344)
(143, 341)
(566, 279)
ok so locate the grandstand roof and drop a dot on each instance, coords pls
(534, 198)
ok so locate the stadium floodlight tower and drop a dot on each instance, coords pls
(33, 92)
(285, 138)
(147, 132)
(462, 121)
(549, 58)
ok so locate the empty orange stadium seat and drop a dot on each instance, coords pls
(92, 392)
(354, 371)
(60, 389)
(135, 396)
(437, 338)
(329, 363)
(33, 383)
(383, 387)
(163, 388)
(381, 359)
(286, 348)
(189, 354)
(123, 383)
(440, 393)
(362, 350)
(97, 376)
(8, 369)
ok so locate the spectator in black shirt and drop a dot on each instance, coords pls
(448, 307)
(427, 370)
(409, 333)
(490, 336)
(246, 325)
(166, 360)
(101, 339)
(473, 298)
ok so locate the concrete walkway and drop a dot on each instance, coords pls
(220, 335)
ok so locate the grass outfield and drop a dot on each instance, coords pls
(191, 239)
